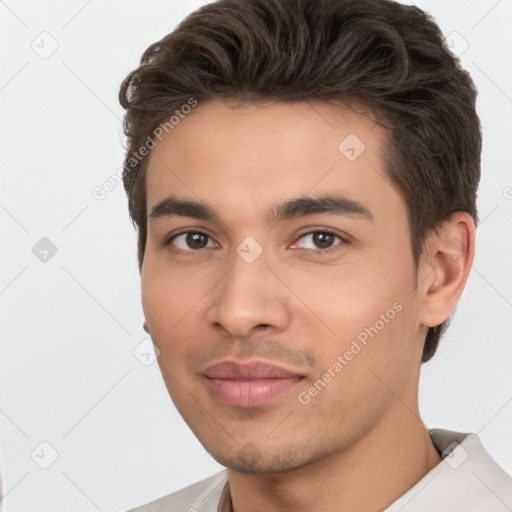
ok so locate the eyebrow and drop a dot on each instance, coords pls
(174, 206)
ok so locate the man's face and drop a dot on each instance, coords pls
(343, 325)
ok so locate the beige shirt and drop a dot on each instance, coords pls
(466, 480)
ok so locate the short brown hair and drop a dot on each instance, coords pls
(389, 55)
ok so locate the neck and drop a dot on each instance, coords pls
(369, 475)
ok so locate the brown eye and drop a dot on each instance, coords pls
(189, 241)
(196, 240)
(322, 240)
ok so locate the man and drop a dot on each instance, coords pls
(303, 177)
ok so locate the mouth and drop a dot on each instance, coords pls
(251, 384)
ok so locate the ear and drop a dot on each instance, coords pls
(444, 268)
(146, 328)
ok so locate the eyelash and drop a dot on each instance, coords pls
(168, 241)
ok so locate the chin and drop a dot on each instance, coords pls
(250, 459)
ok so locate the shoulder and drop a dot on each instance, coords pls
(203, 495)
(467, 478)
(486, 483)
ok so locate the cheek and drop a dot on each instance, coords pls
(347, 297)
(164, 307)
(167, 295)
(364, 366)
(364, 314)
(173, 303)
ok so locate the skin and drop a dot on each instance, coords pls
(295, 307)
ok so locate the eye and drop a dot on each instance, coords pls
(193, 241)
(190, 240)
(322, 239)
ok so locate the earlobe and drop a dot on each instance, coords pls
(451, 252)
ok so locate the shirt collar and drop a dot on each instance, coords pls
(443, 441)
(225, 504)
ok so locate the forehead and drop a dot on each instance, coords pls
(241, 159)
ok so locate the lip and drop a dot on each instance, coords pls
(251, 384)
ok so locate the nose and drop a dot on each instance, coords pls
(249, 298)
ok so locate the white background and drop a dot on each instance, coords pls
(67, 372)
